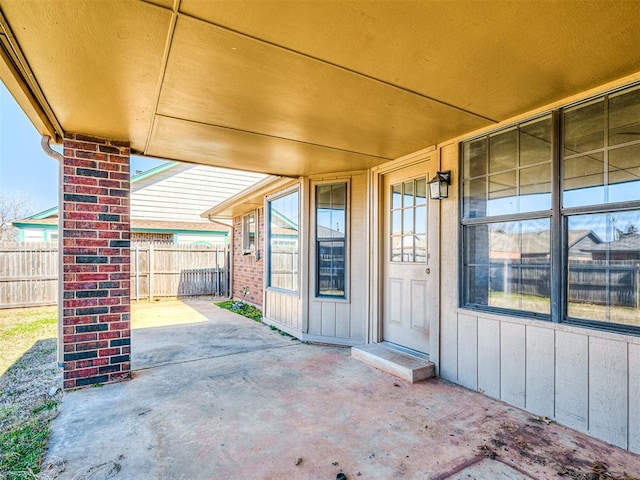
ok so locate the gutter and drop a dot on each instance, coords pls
(230, 259)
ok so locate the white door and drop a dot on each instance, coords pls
(409, 280)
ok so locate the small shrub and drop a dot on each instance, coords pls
(243, 309)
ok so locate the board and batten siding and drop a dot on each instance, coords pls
(583, 378)
(183, 191)
(343, 321)
(283, 310)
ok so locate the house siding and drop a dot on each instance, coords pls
(248, 269)
(343, 320)
(184, 191)
(583, 378)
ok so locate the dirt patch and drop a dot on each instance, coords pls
(533, 442)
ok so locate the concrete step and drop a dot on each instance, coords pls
(402, 364)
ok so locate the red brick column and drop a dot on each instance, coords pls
(247, 269)
(96, 258)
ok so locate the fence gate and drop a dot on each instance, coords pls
(159, 270)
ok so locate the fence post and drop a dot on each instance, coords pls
(217, 273)
(136, 266)
(151, 261)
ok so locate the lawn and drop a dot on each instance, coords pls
(28, 379)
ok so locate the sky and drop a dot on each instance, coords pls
(25, 169)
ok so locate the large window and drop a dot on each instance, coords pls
(566, 250)
(331, 221)
(284, 241)
(506, 218)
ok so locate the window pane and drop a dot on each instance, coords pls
(502, 194)
(331, 204)
(331, 268)
(421, 220)
(502, 151)
(475, 154)
(396, 196)
(396, 249)
(407, 221)
(535, 141)
(408, 194)
(407, 248)
(624, 174)
(604, 267)
(583, 180)
(475, 198)
(330, 210)
(396, 222)
(624, 117)
(283, 242)
(514, 258)
(584, 128)
(519, 178)
(421, 248)
(421, 191)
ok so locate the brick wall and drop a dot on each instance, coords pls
(96, 258)
(247, 271)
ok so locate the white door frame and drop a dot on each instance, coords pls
(376, 220)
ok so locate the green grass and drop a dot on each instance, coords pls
(21, 328)
(248, 311)
(27, 372)
(243, 309)
(21, 449)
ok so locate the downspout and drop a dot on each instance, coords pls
(44, 143)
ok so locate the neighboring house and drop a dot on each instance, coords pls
(166, 202)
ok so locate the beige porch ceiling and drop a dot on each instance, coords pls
(303, 87)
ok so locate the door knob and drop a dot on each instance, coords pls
(427, 271)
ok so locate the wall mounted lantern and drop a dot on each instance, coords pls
(439, 185)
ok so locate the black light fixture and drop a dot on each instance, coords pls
(439, 185)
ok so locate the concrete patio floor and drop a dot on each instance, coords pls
(228, 398)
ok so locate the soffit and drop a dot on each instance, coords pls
(300, 88)
(494, 58)
(97, 62)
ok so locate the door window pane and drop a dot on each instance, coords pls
(604, 267)
(408, 223)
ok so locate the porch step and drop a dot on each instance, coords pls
(399, 363)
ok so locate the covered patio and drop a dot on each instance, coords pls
(227, 397)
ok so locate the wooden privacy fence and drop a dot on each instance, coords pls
(159, 270)
(592, 282)
(29, 272)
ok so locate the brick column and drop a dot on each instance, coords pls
(96, 259)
